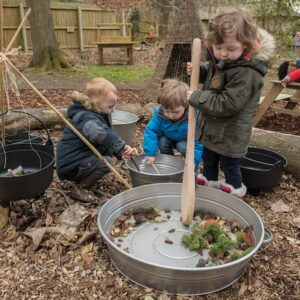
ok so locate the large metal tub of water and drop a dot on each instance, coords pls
(178, 280)
(170, 169)
(124, 123)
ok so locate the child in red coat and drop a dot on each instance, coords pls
(292, 76)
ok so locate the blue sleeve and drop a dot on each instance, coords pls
(198, 152)
(151, 135)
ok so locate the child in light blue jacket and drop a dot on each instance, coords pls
(168, 127)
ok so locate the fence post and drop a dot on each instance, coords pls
(123, 21)
(80, 32)
(24, 33)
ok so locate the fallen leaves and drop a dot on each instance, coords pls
(280, 206)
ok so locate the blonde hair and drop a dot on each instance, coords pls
(99, 87)
(173, 93)
(234, 21)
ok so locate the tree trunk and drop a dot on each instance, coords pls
(164, 18)
(45, 48)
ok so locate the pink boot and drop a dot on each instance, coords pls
(239, 192)
(202, 180)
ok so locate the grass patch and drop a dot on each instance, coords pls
(124, 74)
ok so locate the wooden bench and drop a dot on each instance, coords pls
(273, 95)
(123, 39)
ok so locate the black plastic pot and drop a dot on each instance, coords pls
(37, 159)
(262, 169)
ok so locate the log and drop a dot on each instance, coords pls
(16, 121)
(287, 145)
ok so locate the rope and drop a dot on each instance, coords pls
(9, 77)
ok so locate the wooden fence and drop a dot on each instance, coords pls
(74, 24)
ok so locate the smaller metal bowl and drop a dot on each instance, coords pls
(170, 170)
(124, 123)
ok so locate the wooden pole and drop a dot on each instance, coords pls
(93, 149)
(188, 192)
(1, 76)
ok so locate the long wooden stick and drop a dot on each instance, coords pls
(2, 108)
(17, 31)
(188, 182)
(155, 168)
(93, 149)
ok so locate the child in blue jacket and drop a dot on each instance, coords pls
(167, 129)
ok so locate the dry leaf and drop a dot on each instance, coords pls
(49, 220)
(243, 289)
(280, 206)
(296, 221)
(293, 241)
(163, 297)
(87, 249)
(36, 235)
(86, 258)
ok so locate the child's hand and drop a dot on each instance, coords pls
(189, 68)
(285, 80)
(188, 95)
(128, 152)
(149, 160)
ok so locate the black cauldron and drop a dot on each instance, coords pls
(37, 160)
(24, 136)
(262, 169)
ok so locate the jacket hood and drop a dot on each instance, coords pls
(83, 100)
(80, 102)
(266, 46)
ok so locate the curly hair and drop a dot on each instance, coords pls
(234, 21)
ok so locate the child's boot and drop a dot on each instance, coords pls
(3, 216)
(202, 180)
(239, 192)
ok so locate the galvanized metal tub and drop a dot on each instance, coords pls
(170, 167)
(124, 124)
(179, 280)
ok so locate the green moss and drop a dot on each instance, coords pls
(239, 238)
(222, 246)
(212, 232)
(247, 251)
(236, 255)
(195, 240)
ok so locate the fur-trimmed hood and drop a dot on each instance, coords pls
(266, 46)
(84, 100)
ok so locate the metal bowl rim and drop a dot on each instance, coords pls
(249, 255)
(155, 174)
(126, 112)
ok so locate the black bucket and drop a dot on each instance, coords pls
(36, 159)
(262, 169)
(24, 136)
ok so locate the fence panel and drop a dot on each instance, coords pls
(75, 24)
